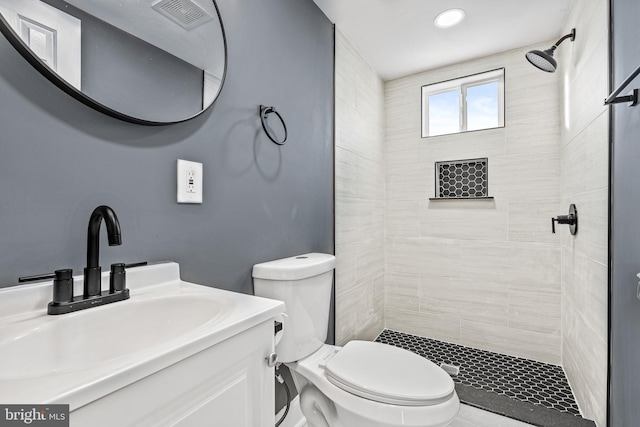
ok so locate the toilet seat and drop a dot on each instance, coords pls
(353, 410)
(388, 374)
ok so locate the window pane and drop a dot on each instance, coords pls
(482, 106)
(444, 113)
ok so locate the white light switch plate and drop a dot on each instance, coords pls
(189, 182)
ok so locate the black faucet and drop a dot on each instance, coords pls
(93, 296)
(93, 272)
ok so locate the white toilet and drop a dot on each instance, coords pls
(363, 384)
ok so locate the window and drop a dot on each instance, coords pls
(462, 105)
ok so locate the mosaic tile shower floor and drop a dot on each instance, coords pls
(521, 379)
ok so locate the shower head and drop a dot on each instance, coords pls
(543, 59)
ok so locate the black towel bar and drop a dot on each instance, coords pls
(633, 98)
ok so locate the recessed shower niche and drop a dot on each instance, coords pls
(462, 179)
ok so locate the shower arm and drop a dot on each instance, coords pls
(571, 35)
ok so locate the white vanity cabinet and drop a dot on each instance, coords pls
(174, 354)
(226, 385)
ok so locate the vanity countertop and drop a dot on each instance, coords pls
(79, 357)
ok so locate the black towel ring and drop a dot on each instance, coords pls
(264, 112)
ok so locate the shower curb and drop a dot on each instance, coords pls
(518, 410)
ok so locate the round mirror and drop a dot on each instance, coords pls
(144, 61)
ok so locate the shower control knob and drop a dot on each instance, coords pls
(571, 220)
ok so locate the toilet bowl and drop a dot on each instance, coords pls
(425, 398)
(363, 384)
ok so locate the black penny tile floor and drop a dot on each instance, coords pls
(487, 379)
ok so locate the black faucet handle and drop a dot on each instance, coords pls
(64, 274)
(63, 286)
(117, 278)
(36, 278)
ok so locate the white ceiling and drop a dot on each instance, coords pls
(398, 37)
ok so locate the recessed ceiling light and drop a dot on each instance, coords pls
(449, 18)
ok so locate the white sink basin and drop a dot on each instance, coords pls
(82, 339)
(78, 357)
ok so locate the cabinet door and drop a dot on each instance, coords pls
(227, 385)
(227, 407)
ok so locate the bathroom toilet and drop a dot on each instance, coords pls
(363, 384)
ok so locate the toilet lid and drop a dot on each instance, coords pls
(388, 374)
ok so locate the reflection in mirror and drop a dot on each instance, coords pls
(146, 61)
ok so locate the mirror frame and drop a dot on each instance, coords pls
(53, 77)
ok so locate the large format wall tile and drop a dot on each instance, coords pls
(346, 270)
(585, 164)
(584, 356)
(585, 171)
(464, 219)
(530, 220)
(513, 263)
(402, 292)
(584, 67)
(535, 310)
(507, 340)
(360, 196)
(411, 181)
(533, 117)
(490, 142)
(584, 285)
(354, 219)
(346, 167)
(360, 311)
(525, 176)
(441, 327)
(468, 299)
(423, 256)
(402, 218)
(592, 238)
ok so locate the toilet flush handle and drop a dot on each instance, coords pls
(272, 360)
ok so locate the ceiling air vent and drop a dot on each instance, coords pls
(185, 13)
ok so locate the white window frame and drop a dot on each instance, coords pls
(462, 85)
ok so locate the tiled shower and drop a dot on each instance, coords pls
(485, 273)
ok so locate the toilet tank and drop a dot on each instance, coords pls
(303, 282)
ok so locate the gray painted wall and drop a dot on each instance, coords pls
(117, 66)
(625, 232)
(166, 87)
(60, 159)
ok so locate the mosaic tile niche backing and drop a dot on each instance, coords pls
(461, 179)
(520, 379)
